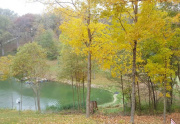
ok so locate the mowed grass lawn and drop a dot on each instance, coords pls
(30, 117)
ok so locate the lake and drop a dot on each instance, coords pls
(51, 93)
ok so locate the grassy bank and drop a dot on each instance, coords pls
(29, 117)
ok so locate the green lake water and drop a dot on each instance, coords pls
(51, 93)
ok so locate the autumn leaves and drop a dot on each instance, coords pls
(117, 36)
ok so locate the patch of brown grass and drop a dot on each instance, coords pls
(138, 119)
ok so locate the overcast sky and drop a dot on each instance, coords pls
(22, 7)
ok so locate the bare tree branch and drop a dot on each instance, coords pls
(120, 20)
(130, 15)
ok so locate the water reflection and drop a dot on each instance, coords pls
(52, 94)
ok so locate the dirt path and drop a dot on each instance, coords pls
(110, 103)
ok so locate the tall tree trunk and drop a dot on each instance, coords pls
(77, 89)
(169, 100)
(178, 72)
(21, 96)
(89, 63)
(165, 100)
(83, 92)
(135, 101)
(35, 102)
(38, 97)
(35, 95)
(171, 92)
(73, 91)
(130, 99)
(149, 88)
(88, 86)
(123, 95)
(164, 113)
(139, 98)
(38, 101)
(11, 92)
(154, 97)
(80, 94)
(133, 83)
(134, 65)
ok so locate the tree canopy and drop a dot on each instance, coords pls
(29, 62)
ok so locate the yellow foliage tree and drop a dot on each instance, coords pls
(5, 70)
(5, 64)
(30, 63)
(86, 36)
(133, 22)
